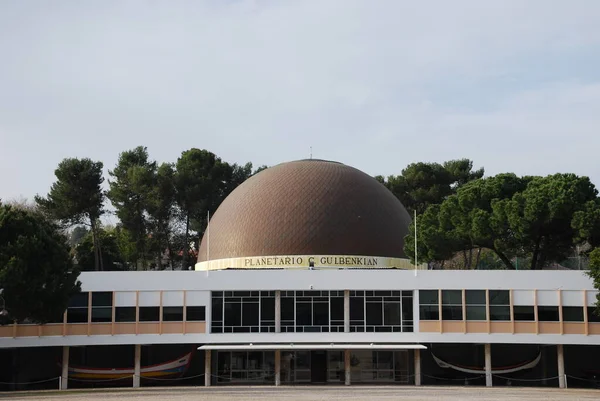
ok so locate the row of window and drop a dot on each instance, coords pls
(499, 307)
(126, 314)
(311, 311)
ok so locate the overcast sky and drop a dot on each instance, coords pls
(513, 85)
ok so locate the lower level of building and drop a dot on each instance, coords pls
(289, 364)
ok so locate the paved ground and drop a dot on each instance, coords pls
(312, 394)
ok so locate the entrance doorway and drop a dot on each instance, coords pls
(318, 366)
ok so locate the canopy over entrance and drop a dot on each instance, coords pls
(313, 346)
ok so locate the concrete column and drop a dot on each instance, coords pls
(417, 367)
(346, 311)
(488, 365)
(137, 370)
(277, 367)
(277, 311)
(561, 366)
(207, 366)
(347, 367)
(64, 384)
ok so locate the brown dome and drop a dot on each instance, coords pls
(308, 207)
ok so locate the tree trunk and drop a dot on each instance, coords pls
(505, 259)
(536, 252)
(95, 245)
(478, 258)
(470, 258)
(185, 243)
(464, 252)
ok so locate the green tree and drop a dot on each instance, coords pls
(36, 270)
(77, 198)
(423, 184)
(161, 211)
(532, 218)
(130, 193)
(111, 254)
(200, 183)
(541, 217)
(594, 273)
(586, 222)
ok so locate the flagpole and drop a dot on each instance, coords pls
(416, 255)
(208, 236)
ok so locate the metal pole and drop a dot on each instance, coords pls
(277, 367)
(137, 365)
(488, 365)
(65, 369)
(416, 251)
(417, 367)
(561, 366)
(347, 368)
(207, 366)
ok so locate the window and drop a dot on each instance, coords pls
(548, 313)
(381, 311)
(77, 311)
(572, 313)
(429, 307)
(149, 313)
(357, 311)
(102, 307)
(125, 314)
(475, 305)
(524, 313)
(243, 311)
(452, 305)
(288, 311)
(172, 313)
(499, 305)
(592, 316)
(195, 313)
(312, 311)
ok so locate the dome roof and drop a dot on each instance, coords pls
(308, 207)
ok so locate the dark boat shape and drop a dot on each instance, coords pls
(162, 370)
(481, 370)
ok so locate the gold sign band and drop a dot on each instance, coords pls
(307, 261)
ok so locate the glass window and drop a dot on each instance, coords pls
(451, 297)
(428, 297)
(391, 314)
(374, 314)
(499, 297)
(548, 313)
(475, 297)
(195, 313)
(500, 313)
(79, 300)
(172, 313)
(429, 312)
(267, 308)
(429, 305)
(102, 298)
(77, 315)
(476, 305)
(476, 312)
(452, 305)
(572, 313)
(125, 314)
(524, 313)
(337, 308)
(250, 312)
(592, 316)
(102, 315)
(149, 313)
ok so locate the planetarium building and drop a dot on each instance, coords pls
(302, 278)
